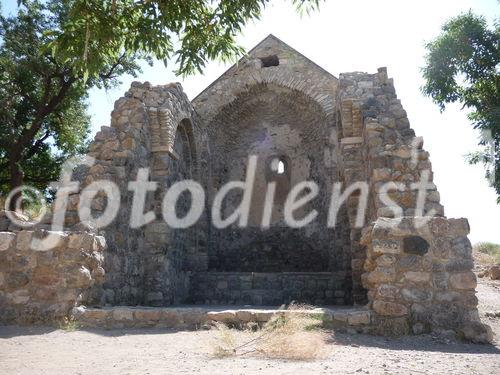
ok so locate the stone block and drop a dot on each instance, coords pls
(459, 227)
(45, 275)
(147, 315)
(78, 277)
(387, 291)
(6, 240)
(96, 316)
(477, 332)
(228, 316)
(359, 318)
(389, 246)
(16, 280)
(23, 240)
(417, 277)
(80, 241)
(379, 275)
(463, 280)
(123, 314)
(385, 260)
(389, 308)
(415, 294)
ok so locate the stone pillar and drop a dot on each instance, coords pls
(419, 277)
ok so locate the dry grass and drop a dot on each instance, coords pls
(486, 253)
(69, 324)
(291, 336)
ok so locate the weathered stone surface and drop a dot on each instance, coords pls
(416, 294)
(44, 286)
(123, 314)
(477, 332)
(463, 280)
(379, 275)
(359, 318)
(387, 292)
(389, 308)
(6, 240)
(386, 246)
(148, 314)
(417, 277)
(23, 240)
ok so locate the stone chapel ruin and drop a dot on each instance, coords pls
(411, 277)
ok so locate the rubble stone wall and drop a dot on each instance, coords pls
(377, 145)
(414, 274)
(43, 286)
(419, 276)
(154, 128)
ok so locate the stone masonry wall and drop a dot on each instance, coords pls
(275, 103)
(378, 146)
(419, 276)
(43, 286)
(151, 127)
(269, 289)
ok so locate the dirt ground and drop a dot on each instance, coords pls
(28, 350)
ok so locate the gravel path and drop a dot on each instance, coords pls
(25, 350)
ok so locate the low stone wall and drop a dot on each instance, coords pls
(256, 288)
(188, 317)
(43, 286)
(419, 277)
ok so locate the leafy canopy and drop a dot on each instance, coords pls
(462, 65)
(52, 52)
(190, 32)
(43, 105)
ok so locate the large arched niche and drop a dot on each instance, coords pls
(275, 123)
(185, 166)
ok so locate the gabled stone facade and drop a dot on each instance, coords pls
(414, 274)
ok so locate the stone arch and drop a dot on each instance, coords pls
(320, 90)
(273, 120)
(190, 154)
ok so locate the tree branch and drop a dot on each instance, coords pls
(111, 70)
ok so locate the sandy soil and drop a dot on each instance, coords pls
(153, 351)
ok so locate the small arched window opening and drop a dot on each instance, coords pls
(278, 171)
(279, 165)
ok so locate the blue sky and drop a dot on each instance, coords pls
(362, 35)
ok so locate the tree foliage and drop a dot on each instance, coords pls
(189, 32)
(52, 52)
(462, 65)
(43, 116)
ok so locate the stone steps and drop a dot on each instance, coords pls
(196, 317)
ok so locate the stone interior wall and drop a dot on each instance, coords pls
(273, 122)
(43, 286)
(270, 289)
(276, 104)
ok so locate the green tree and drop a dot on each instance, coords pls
(43, 116)
(462, 65)
(189, 32)
(52, 52)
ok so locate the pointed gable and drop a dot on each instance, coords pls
(270, 62)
